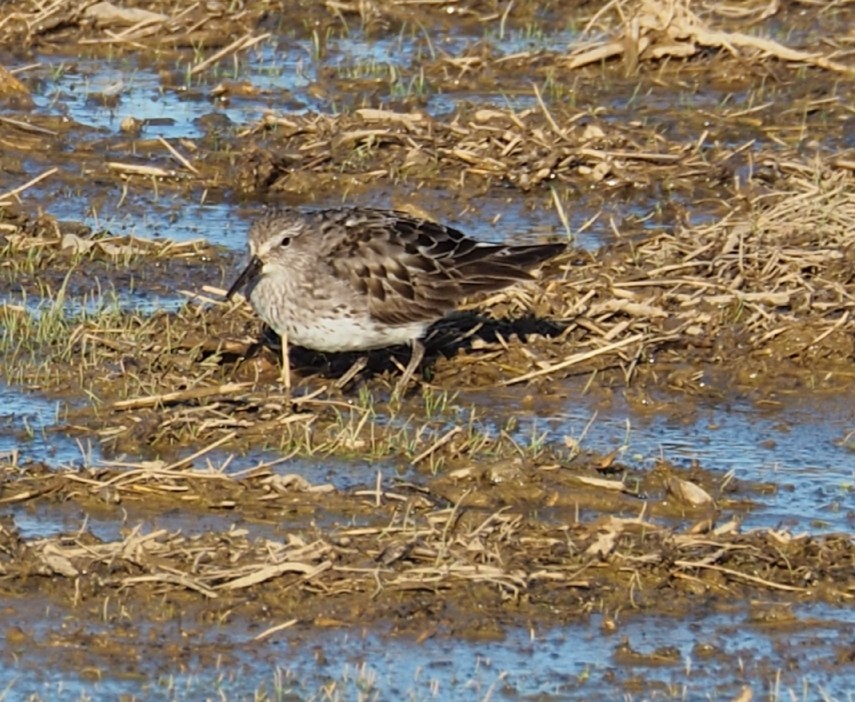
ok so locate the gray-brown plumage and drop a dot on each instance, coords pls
(355, 279)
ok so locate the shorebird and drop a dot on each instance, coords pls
(357, 279)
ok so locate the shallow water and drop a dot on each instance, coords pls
(699, 655)
(799, 448)
(27, 421)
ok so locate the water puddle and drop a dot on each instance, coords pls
(98, 302)
(99, 95)
(698, 655)
(800, 448)
(29, 433)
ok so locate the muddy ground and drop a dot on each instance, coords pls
(723, 267)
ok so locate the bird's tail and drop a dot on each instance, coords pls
(504, 266)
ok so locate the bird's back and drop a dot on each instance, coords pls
(415, 270)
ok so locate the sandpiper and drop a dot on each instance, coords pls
(356, 279)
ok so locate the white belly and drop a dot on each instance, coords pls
(324, 322)
(348, 334)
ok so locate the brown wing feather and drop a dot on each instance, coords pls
(415, 270)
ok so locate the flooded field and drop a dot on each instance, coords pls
(632, 478)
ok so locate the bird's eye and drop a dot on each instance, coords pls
(285, 241)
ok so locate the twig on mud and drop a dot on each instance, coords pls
(179, 396)
(267, 633)
(244, 42)
(23, 496)
(196, 297)
(27, 127)
(266, 572)
(137, 169)
(180, 579)
(637, 155)
(183, 161)
(201, 452)
(846, 163)
(604, 483)
(30, 183)
(833, 328)
(440, 442)
(738, 574)
(562, 214)
(573, 360)
(547, 114)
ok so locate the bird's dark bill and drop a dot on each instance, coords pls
(247, 276)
